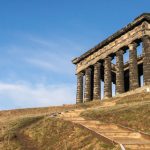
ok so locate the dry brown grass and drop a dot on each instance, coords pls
(48, 133)
(131, 111)
(12, 121)
(63, 135)
(8, 137)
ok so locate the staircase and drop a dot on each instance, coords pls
(110, 132)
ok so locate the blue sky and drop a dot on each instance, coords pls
(39, 38)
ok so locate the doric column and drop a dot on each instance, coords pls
(79, 96)
(119, 72)
(146, 59)
(133, 67)
(88, 90)
(97, 81)
(107, 78)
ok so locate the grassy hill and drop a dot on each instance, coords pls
(32, 129)
(130, 111)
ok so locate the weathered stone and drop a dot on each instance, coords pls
(133, 68)
(88, 88)
(79, 96)
(123, 37)
(119, 72)
(146, 59)
(125, 76)
(107, 78)
(97, 81)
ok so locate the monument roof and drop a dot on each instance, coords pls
(130, 26)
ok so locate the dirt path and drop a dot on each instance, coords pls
(26, 142)
(128, 138)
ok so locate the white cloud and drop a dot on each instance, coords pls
(43, 57)
(26, 95)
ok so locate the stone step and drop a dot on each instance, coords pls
(122, 134)
(138, 146)
(106, 130)
(132, 141)
(103, 126)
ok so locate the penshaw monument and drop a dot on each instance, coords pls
(95, 66)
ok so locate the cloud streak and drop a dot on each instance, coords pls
(53, 55)
(41, 73)
(26, 95)
(57, 63)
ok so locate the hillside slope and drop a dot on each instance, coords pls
(131, 111)
(44, 133)
(34, 129)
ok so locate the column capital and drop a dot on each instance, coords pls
(88, 70)
(145, 37)
(80, 74)
(120, 52)
(132, 45)
(108, 58)
(97, 64)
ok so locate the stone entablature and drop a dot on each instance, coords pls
(114, 46)
(96, 64)
(120, 42)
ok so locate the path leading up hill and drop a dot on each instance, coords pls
(110, 132)
(89, 126)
